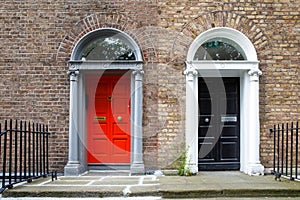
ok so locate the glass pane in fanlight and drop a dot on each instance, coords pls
(108, 48)
(219, 49)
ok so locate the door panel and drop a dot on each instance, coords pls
(229, 131)
(218, 131)
(228, 151)
(108, 121)
(210, 156)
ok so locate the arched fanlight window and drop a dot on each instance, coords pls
(219, 49)
(106, 44)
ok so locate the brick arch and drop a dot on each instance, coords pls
(208, 20)
(106, 20)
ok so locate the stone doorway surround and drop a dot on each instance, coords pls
(248, 71)
(77, 161)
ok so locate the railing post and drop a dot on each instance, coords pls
(278, 147)
(47, 149)
(4, 155)
(40, 145)
(16, 149)
(25, 149)
(29, 150)
(10, 151)
(44, 154)
(287, 149)
(37, 149)
(274, 148)
(292, 142)
(20, 150)
(33, 149)
(282, 147)
(297, 150)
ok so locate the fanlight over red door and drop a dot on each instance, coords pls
(108, 121)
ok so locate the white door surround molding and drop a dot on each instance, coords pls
(249, 73)
(78, 70)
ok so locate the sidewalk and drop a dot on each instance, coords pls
(206, 184)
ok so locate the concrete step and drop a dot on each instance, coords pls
(204, 185)
(109, 198)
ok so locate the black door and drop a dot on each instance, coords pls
(219, 124)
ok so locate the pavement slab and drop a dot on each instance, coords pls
(204, 185)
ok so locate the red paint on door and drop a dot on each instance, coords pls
(108, 120)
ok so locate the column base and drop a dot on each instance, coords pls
(192, 168)
(72, 169)
(137, 169)
(255, 169)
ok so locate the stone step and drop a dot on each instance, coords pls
(204, 185)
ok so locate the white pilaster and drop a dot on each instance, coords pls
(254, 165)
(137, 166)
(73, 167)
(191, 127)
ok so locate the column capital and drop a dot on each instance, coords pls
(190, 72)
(73, 65)
(139, 66)
(73, 71)
(254, 74)
(138, 73)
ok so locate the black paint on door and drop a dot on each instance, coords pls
(219, 123)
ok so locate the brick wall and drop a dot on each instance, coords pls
(37, 38)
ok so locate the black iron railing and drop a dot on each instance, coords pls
(286, 151)
(24, 152)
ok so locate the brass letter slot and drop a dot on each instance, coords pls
(102, 118)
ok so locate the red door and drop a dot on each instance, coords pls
(108, 121)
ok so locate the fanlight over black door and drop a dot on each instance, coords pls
(219, 124)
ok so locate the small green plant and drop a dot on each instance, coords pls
(181, 164)
(183, 169)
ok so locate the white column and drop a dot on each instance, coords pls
(254, 165)
(137, 166)
(191, 126)
(73, 166)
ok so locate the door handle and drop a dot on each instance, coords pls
(206, 120)
(119, 118)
